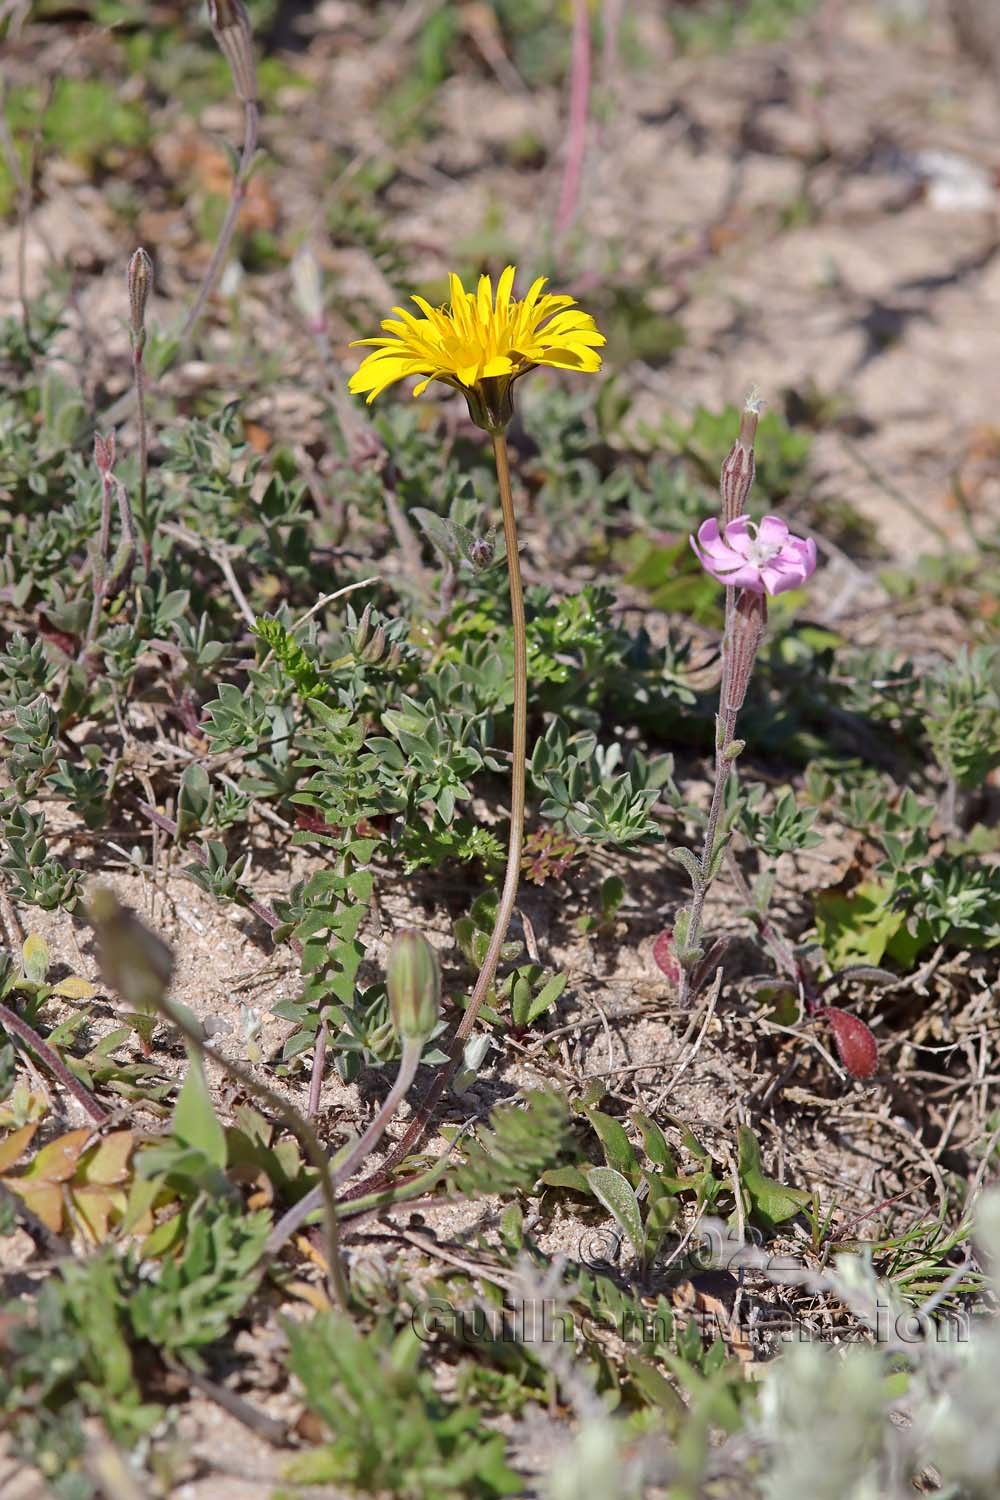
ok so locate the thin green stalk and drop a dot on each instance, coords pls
(340, 1171)
(250, 124)
(508, 895)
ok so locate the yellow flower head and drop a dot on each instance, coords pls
(481, 345)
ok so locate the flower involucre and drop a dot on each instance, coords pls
(481, 344)
(764, 558)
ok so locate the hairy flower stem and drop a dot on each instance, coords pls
(576, 135)
(342, 1170)
(139, 378)
(99, 564)
(316, 1076)
(725, 725)
(251, 120)
(508, 895)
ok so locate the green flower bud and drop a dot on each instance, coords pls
(133, 960)
(362, 634)
(413, 980)
(375, 649)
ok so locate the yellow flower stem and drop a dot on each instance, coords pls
(508, 896)
(520, 750)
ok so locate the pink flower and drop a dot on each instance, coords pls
(764, 558)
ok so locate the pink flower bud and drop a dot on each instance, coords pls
(738, 468)
(231, 29)
(104, 453)
(140, 282)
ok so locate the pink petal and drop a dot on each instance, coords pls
(773, 532)
(741, 576)
(779, 576)
(714, 547)
(747, 578)
(738, 537)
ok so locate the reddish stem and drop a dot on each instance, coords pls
(12, 1022)
(576, 135)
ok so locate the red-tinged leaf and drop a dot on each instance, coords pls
(45, 1199)
(663, 957)
(95, 1206)
(107, 1162)
(14, 1145)
(856, 1046)
(67, 644)
(57, 1161)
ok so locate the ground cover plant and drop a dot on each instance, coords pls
(499, 890)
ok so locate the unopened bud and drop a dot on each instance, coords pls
(231, 29)
(413, 980)
(363, 630)
(136, 963)
(738, 469)
(481, 552)
(140, 282)
(375, 649)
(749, 618)
(735, 481)
(104, 453)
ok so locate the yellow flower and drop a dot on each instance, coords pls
(481, 345)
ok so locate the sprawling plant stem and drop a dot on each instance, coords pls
(251, 117)
(576, 133)
(342, 1170)
(508, 895)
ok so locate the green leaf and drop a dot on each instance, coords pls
(613, 1190)
(656, 1389)
(858, 927)
(618, 1152)
(655, 1142)
(35, 958)
(771, 1201)
(684, 857)
(566, 1177)
(659, 1216)
(195, 1121)
(547, 995)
